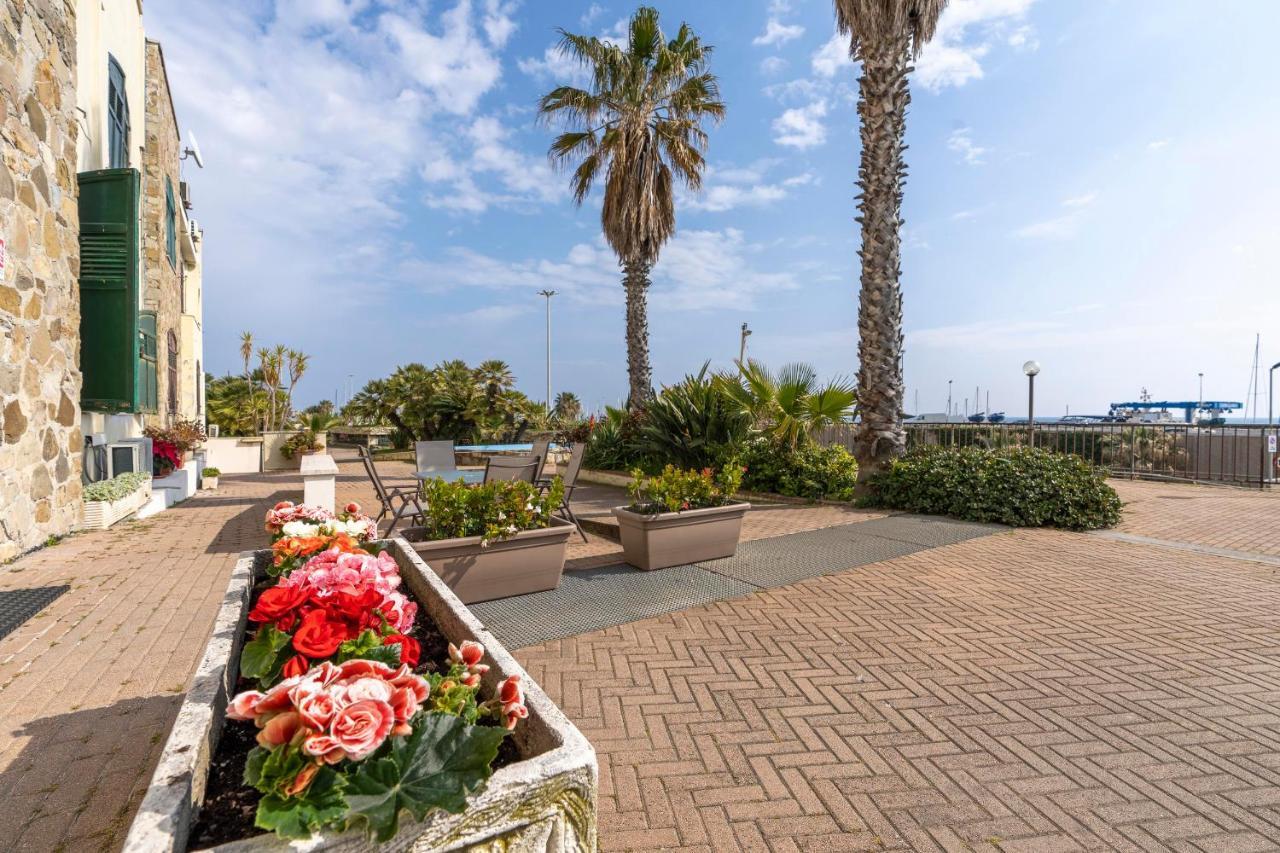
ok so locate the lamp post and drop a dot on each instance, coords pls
(1031, 368)
(742, 344)
(548, 294)
(949, 399)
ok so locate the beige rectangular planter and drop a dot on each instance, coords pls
(530, 561)
(99, 515)
(678, 538)
(545, 802)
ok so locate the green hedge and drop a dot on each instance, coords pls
(808, 471)
(117, 487)
(1022, 487)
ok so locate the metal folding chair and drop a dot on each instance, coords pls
(387, 497)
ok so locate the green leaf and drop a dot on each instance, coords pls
(367, 640)
(260, 655)
(253, 766)
(436, 766)
(390, 655)
(321, 805)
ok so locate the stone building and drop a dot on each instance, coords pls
(40, 438)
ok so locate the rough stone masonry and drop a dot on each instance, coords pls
(40, 439)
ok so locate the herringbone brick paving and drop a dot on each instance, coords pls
(1228, 517)
(1030, 690)
(89, 687)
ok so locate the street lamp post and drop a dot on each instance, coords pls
(548, 294)
(949, 399)
(1271, 391)
(1031, 368)
(742, 344)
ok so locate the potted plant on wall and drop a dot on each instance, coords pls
(492, 541)
(301, 444)
(209, 478)
(681, 517)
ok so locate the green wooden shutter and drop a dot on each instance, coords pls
(109, 290)
(148, 360)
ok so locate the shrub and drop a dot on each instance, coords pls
(1023, 487)
(184, 434)
(210, 472)
(808, 471)
(613, 444)
(117, 487)
(493, 511)
(692, 424)
(301, 442)
(675, 490)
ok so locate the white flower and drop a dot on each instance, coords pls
(299, 528)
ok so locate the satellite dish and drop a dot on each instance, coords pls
(193, 149)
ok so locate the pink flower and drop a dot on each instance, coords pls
(518, 712)
(416, 684)
(405, 704)
(316, 709)
(360, 689)
(352, 508)
(511, 691)
(358, 667)
(468, 654)
(244, 706)
(325, 748)
(277, 698)
(360, 728)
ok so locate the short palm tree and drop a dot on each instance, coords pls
(789, 405)
(567, 408)
(884, 37)
(496, 376)
(640, 124)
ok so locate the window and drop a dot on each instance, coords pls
(147, 361)
(172, 344)
(117, 117)
(170, 224)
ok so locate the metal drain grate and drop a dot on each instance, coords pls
(599, 598)
(19, 605)
(613, 595)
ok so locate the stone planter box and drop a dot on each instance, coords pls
(99, 515)
(546, 802)
(678, 538)
(530, 561)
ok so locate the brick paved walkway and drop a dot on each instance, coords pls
(1030, 687)
(1215, 516)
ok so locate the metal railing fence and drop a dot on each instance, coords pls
(1237, 454)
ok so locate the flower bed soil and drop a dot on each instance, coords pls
(227, 813)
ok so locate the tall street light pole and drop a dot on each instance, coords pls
(1031, 368)
(742, 344)
(548, 294)
(1271, 389)
(949, 399)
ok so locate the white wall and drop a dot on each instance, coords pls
(234, 455)
(109, 27)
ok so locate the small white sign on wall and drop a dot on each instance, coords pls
(1271, 444)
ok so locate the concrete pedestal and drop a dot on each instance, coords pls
(319, 473)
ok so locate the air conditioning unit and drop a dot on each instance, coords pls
(214, 430)
(123, 457)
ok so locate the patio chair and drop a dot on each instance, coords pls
(540, 449)
(434, 455)
(407, 496)
(570, 478)
(499, 469)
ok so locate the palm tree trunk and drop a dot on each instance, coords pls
(635, 280)
(883, 97)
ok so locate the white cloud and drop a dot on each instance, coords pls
(698, 270)
(1060, 227)
(967, 31)
(801, 127)
(555, 68)
(455, 66)
(832, 56)
(800, 90)
(748, 186)
(1158, 144)
(522, 180)
(772, 65)
(776, 32)
(593, 13)
(961, 142)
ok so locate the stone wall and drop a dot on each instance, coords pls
(40, 439)
(162, 278)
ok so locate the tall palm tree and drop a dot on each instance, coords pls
(246, 351)
(496, 376)
(885, 35)
(639, 123)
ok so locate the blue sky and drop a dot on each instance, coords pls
(1093, 184)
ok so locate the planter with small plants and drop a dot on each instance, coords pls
(680, 517)
(492, 541)
(348, 701)
(109, 501)
(209, 478)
